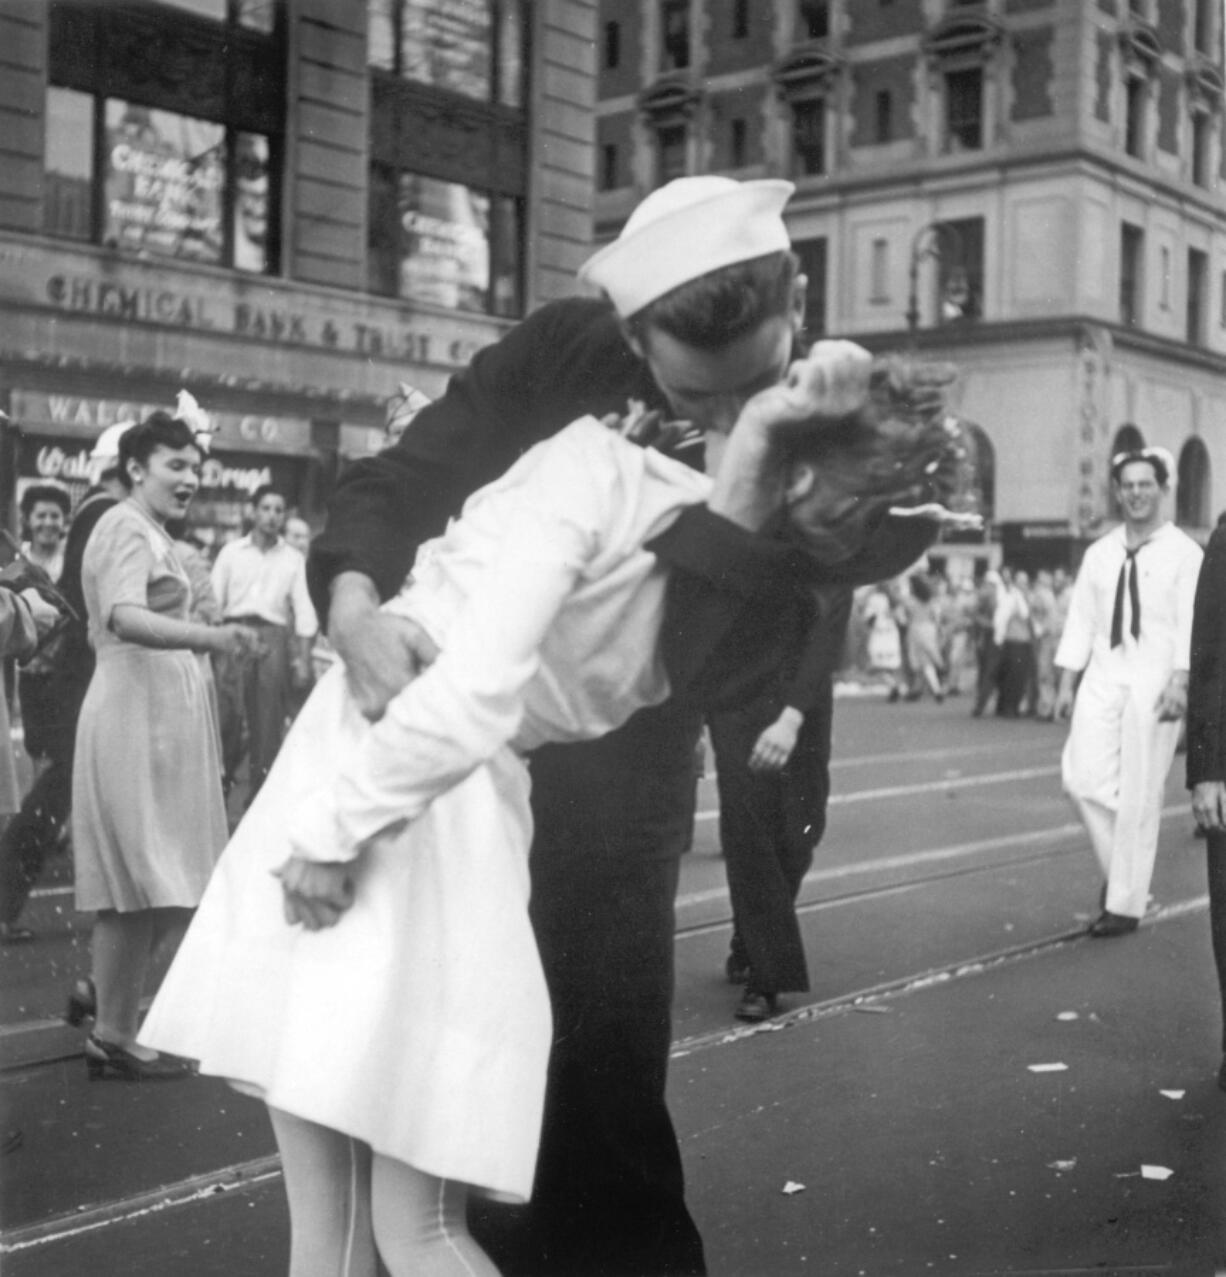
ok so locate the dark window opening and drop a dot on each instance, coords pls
(812, 254)
(960, 271)
(609, 167)
(1134, 118)
(1132, 248)
(815, 19)
(1201, 135)
(612, 45)
(1204, 26)
(809, 137)
(964, 109)
(884, 115)
(675, 16)
(670, 152)
(738, 143)
(740, 19)
(1192, 508)
(1198, 275)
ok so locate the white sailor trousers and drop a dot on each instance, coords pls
(1114, 766)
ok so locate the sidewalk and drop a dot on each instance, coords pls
(920, 1136)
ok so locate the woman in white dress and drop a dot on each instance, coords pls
(400, 1036)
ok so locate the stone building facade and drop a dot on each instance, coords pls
(1032, 188)
(284, 206)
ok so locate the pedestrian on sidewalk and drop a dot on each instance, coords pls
(924, 646)
(42, 824)
(406, 841)
(1206, 760)
(1128, 634)
(259, 581)
(148, 821)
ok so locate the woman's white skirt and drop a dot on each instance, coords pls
(420, 1023)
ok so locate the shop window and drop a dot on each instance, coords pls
(1198, 277)
(160, 184)
(675, 35)
(445, 244)
(472, 47)
(813, 266)
(1192, 491)
(884, 104)
(814, 19)
(1132, 252)
(964, 110)
(809, 137)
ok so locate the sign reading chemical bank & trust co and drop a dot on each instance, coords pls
(285, 314)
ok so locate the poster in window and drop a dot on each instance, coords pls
(447, 43)
(444, 243)
(251, 202)
(165, 175)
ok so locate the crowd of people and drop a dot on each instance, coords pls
(990, 637)
(448, 975)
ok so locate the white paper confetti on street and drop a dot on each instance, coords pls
(1047, 1068)
(1156, 1172)
(1173, 1095)
(1067, 1015)
(793, 1187)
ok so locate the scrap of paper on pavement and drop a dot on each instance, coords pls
(1047, 1068)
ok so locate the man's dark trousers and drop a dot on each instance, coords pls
(769, 824)
(1216, 852)
(609, 1198)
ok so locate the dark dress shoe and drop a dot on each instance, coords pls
(109, 1060)
(1113, 924)
(82, 1002)
(754, 1007)
(736, 969)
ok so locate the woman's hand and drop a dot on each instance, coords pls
(235, 640)
(316, 893)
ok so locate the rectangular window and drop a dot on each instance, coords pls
(612, 45)
(1164, 272)
(737, 143)
(670, 152)
(252, 205)
(1198, 276)
(1134, 118)
(68, 165)
(960, 270)
(608, 167)
(675, 35)
(1204, 26)
(809, 137)
(1200, 149)
(964, 110)
(814, 19)
(740, 19)
(879, 272)
(884, 116)
(444, 244)
(812, 254)
(1132, 249)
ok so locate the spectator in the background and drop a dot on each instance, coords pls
(884, 643)
(987, 652)
(45, 511)
(1043, 623)
(42, 823)
(960, 629)
(1013, 638)
(260, 581)
(298, 533)
(924, 642)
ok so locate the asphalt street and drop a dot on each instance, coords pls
(972, 1086)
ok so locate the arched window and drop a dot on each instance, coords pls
(1127, 439)
(1192, 494)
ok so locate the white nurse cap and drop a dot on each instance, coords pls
(689, 228)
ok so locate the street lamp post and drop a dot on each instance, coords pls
(941, 241)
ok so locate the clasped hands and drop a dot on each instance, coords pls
(315, 893)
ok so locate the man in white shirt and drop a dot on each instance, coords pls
(262, 580)
(1129, 628)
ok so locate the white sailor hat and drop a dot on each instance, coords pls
(689, 228)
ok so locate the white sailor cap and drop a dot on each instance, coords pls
(689, 228)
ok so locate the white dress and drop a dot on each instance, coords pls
(420, 1022)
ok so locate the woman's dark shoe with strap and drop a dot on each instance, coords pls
(82, 1002)
(108, 1060)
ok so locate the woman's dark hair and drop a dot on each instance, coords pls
(715, 309)
(158, 430)
(44, 493)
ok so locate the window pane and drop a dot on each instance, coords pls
(447, 43)
(381, 35)
(163, 183)
(382, 239)
(251, 203)
(68, 164)
(206, 8)
(256, 15)
(444, 243)
(507, 296)
(511, 53)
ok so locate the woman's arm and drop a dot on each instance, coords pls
(139, 625)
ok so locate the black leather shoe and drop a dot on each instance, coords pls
(736, 969)
(1113, 924)
(754, 1007)
(108, 1060)
(82, 1002)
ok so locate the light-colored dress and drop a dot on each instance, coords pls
(420, 1022)
(148, 821)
